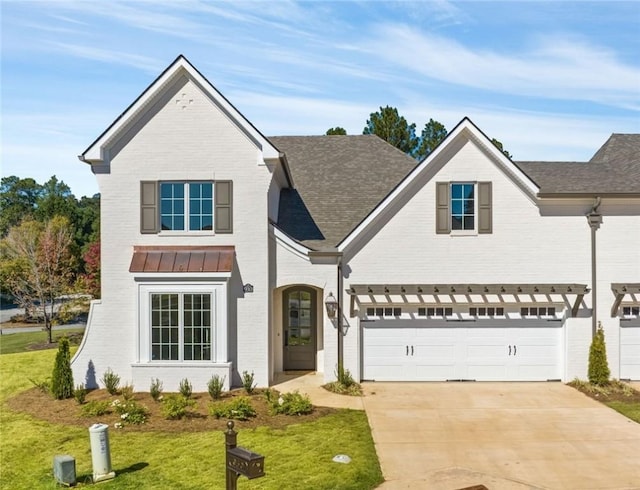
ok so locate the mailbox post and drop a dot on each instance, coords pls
(240, 461)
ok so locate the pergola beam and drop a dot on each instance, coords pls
(463, 289)
(620, 290)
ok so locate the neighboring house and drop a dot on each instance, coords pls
(223, 250)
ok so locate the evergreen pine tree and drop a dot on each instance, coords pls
(62, 377)
(598, 365)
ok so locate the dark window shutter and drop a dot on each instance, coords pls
(148, 207)
(485, 219)
(223, 222)
(443, 223)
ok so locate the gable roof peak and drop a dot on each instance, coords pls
(95, 153)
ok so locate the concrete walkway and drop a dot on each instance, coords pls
(505, 436)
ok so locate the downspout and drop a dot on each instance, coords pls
(595, 220)
(339, 319)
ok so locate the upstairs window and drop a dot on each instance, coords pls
(186, 206)
(463, 208)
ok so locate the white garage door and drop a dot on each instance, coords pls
(630, 348)
(436, 350)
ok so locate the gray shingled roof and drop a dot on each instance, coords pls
(614, 169)
(339, 180)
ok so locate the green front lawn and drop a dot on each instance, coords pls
(20, 342)
(297, 457)
(630, 409)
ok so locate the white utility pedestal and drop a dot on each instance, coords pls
(100, 452)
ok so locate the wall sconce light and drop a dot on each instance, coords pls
(331, 304)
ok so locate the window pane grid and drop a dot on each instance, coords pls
(164, 327)
(200, 206)
(172, 206)
(181, 324)
(186, 206)
(462, 207)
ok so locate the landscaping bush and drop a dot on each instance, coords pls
(131, 412)
(598, 366)
(96, 408)
(155, 390)
(344, 384)
(80, 394)
(290, 404)
(62, 377)
(186, 389)
(111, 381)
(127, 392)
(247, 382)
(239, 408)
(44, 386)
(175, 407)
(215, 386)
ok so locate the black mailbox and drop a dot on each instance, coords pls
(240, 461)
(245, 462)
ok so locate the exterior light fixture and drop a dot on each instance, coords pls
(331, 304)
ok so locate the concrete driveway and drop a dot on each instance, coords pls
(501, 435)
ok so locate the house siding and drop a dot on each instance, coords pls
(187, 138)
(524, 247)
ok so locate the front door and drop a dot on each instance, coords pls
(299, 325)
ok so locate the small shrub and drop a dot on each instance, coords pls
(290, 404)
(247, 382)
(239, 408)
(111, 381)
(344, 376)
(44, 386)
(174, 407)
(62, 377)
(96, 408)
(155, 390)
(185, 388)
(80, 394)
(127, 392)
(598, 366)
(131, 412)
(215, 386)
(344, 384)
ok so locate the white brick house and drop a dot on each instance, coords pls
(220, 247)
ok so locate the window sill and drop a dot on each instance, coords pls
(185, 233)
(463, 233)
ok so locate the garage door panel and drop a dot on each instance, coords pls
(485, 352)
(434, 371)
(487, 371)
(630, 349)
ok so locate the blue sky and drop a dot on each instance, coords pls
(551, 80)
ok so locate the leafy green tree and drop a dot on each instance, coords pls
(62, 378)
(56, 199)
(87, 224)
(38, 265)
(598, 366)
(500, 147)
(18, 199)
(432, 134)
(393, 128)
(336, 131)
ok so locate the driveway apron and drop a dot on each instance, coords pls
(500, 435)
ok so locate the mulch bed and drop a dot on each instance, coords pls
(68, 412)
(614, 393)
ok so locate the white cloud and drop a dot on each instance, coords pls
(556, 67)
(144, 63)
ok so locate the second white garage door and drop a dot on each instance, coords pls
(630, 348)
(415, 350)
